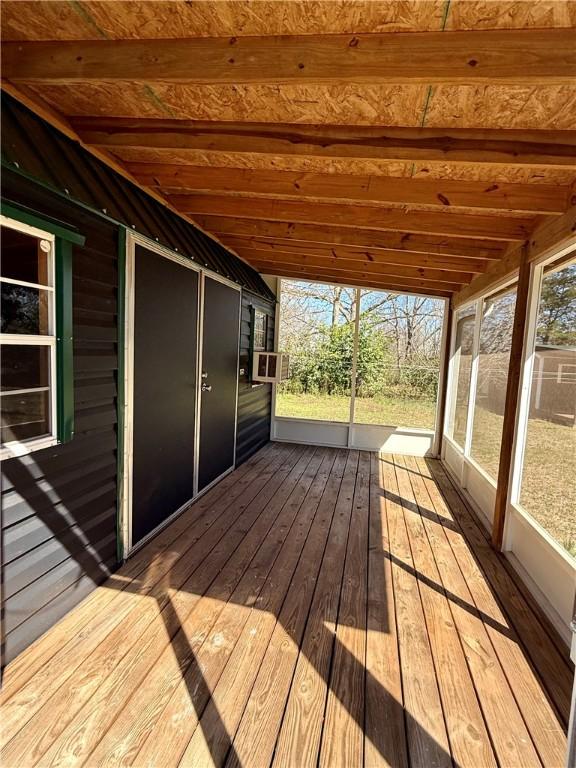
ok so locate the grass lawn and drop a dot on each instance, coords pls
(548, 479)
(548, 487)
(368, 410)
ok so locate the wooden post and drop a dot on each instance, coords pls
(445, 370)
(511, 404)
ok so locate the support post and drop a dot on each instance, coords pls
(444, 376)
(511, 403)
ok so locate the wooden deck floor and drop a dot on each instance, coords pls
(317, 607)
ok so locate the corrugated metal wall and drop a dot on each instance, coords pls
(254, 401)
(59, 504)
(32, 148)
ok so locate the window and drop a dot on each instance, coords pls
(461, 374)
(548, 490)
(493, 358)
(398, 360)
(395, 355)
(317, 331)
(36, 374)
(259, 330)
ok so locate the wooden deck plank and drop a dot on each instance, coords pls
(467, 733)
(428, 745)
(343, 735)
(61, 639)
(258, 730)
(212, 738)
(79, 720)
(472, 589)
(321, 606)
(556, 672)
(183, 710)
(385, 724)
(301, 730)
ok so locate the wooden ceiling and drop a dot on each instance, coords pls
(401, 144)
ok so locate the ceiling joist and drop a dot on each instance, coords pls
(376, 269)
(522, 57)
(268, 249)
(317, 234)
(346, 215)
(442, 193)
(553, 149)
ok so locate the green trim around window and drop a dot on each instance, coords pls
(64, 342)
(26, 216)
(120, 396)
(64, 239)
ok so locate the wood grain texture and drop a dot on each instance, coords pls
(266, 250)
(544, 56)
(361, 217)
(552, 149)
(340, 607)
(310, 234)
(442, 193)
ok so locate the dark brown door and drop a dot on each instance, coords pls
(219, 382)
(165, 376)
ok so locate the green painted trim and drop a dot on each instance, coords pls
(27, 216)
(121, 395)
(64, 342)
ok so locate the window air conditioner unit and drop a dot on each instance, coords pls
(270, 367)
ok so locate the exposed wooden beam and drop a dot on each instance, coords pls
(309, 234)
(342, 214)
(553, 149)
(551, 236)
(366, 267)
(511, 401)
(523, 57)
(269, 249)
(443, 193)
(356, 279)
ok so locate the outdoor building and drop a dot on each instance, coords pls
(288, 384)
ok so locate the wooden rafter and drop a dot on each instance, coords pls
(442, 193)
(365, 266)
(269, 249)
(308, 234)
(553, 149)
(441, 223)
(543, 56)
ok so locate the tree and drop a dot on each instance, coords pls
(557, 311)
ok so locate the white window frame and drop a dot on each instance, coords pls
(523, 416)
(349, 433)
(23, 447)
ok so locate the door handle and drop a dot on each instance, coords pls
(206, 387)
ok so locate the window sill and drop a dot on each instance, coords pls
(13, 450)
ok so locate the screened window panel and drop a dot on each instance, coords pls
(493, 360)
(398, 360)
(461, 375)
(317, 331)
(548, 487)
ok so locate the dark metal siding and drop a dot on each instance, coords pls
(59, 505)
(254, 401)
(32, 148)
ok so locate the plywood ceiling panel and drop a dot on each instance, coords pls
(503, 107)
(60, 20)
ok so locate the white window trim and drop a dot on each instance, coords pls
(23, 447)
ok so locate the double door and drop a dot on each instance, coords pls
(183, 333)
